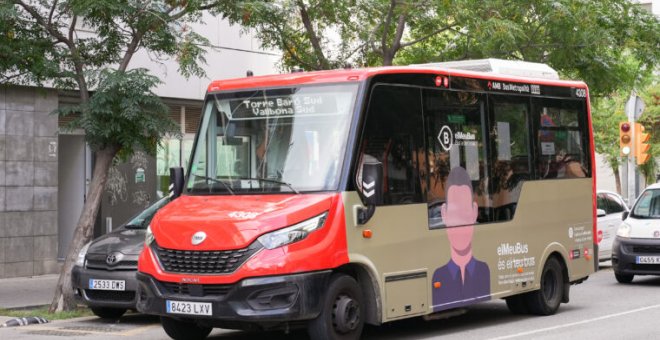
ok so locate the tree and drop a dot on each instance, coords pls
(607, 113)
(320, 34)
(587, 40)
(311, 34)
(650, 119)
(51, 41)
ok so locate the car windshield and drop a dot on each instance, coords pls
(143, 219)
(277, 140)
(648, 204)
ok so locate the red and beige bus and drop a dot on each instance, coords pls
(332, 199)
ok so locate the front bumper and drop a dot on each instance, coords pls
(625, 252)
(261, 301)
(104, 298)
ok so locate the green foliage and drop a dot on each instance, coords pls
(587, 40)
(50, 41)
(123, 112)
(607, 113)
(650, 119)
(43, 312)
(327, 41)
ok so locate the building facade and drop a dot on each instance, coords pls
(45, 171)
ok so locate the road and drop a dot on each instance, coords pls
(600, 308)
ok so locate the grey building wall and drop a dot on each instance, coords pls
(28, 181)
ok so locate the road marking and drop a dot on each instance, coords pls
(604, 317)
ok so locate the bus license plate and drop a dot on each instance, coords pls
(189, 308)
(648, 259)
(107, 284)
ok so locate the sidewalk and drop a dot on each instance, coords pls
(26, 292)
(23, 292)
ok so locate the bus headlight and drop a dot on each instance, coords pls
(149, 236)
(294, 233)
(623, 230)
(80, 260)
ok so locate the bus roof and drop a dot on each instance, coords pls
(355, 75)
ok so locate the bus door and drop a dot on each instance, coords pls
(399, 247)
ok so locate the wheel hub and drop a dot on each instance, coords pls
(345, 314)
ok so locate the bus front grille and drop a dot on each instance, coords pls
(203, 262)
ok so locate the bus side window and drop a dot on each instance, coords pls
(510, 165)
(455, 137)
(392, 133)
(562, 149)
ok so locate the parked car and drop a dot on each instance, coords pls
(104, 275)
(611, 207)
(636, 248)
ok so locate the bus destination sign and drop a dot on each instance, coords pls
(282, 106)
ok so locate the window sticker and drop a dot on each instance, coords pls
(547, 148)
(446, 138)
(472, 161)
(503, 141)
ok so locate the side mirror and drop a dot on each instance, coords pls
(624, 215)
(372, 187)
(176, 181)
(600, 212)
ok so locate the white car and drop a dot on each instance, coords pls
(636, 248)
(611, 207)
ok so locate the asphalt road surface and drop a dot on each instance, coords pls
(599, 308)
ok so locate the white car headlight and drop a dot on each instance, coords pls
(80, 261)
(149, 236)
(293, 233)
(623, 230)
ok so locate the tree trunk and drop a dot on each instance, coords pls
(617, 179)
(64, 299)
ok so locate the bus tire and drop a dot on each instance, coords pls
(517, 304)
(546, 300)
(108, 313)
(343, 311)
(623, 278)
(181, 329)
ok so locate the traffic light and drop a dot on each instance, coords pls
(641, 144)
(625, 139)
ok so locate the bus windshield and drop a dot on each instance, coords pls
(273, 140)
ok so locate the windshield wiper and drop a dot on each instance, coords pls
(217, 181)
(268, 180)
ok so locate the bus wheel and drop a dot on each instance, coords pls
(342, 314)
(181, 330)
(546, 300)
(622, 278)
(517, 304)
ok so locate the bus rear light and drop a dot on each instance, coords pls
(437, 284)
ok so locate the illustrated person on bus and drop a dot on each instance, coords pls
(464, 279)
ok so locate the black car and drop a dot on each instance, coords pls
(104, 275)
